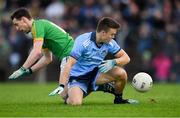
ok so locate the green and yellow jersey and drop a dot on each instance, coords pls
(54, 38)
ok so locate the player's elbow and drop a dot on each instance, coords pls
(128, 59)
(48, 59)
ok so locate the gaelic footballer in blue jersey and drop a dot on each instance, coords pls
(86, 68)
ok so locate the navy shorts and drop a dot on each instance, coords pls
(86, 83)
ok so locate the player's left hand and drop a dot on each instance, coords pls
(20, 73)
(58, 90)
(106, 65)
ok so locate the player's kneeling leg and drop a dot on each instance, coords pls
(75, 96)
(120, 82)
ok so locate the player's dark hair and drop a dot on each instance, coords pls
(21, 12)
(106, 23)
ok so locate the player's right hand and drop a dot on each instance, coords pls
(20, 73)
(58, 90)
(106, 65)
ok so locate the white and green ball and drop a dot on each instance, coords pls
(142, 82)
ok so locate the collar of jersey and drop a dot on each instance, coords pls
(93, 38)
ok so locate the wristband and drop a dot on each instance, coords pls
(30, 70)
(114, 62)
(61, 85)
(24, 69)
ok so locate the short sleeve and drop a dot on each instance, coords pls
(38, 31)
(114, 47)
(78, 48)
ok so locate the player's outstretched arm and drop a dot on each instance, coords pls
(43, 61)
(64, 76)
(34, 55)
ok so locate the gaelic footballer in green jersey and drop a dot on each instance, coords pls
(54, 38)
(46, 35)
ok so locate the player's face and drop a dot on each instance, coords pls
(110, 34)
(21, 25)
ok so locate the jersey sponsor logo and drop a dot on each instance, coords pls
(100, 53)
(95, 54)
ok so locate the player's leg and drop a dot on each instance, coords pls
(75, 96)
(119, 76)
(77, 89)
(107, 87)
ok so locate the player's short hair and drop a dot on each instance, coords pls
(106, 23)
(21, 12)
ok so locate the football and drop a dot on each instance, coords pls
(142, 82)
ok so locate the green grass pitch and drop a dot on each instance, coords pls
(31, 99)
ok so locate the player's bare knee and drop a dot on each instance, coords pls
(74, 102)
(122, 75)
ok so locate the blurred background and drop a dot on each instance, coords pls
(150, 34)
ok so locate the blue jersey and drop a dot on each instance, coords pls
(88, 54)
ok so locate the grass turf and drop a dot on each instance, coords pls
(31, 99)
